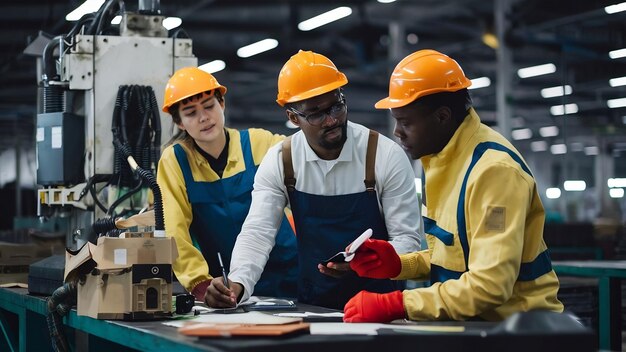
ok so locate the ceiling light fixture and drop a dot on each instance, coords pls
(480, 82)
(386, 1)
(616, 182)
(524, 133)
(559, 91)
(549, 131)
(88, 6)
(538, 146)
(490, 40)
(616, 54)
(616, 103)
(553, 193)
(617, 81)
(566, 109)
(616, 193)
(574, 185)
(611, 9)
(558, 149)
(213, 66)
(325, 18)
(592, 150)
(536, 70)
(257, 48)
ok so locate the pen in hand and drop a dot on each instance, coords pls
(224, 275)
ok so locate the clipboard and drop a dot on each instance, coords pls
(227, 330)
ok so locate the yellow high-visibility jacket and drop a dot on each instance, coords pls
(190, 267)
(483, 220)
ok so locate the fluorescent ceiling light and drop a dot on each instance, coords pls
(557, 149)
(616, 182)
(553, 193)
(213, 66)
(576, 147)
(617, 81)
(592, 150)
(538, 146)
(556, 91)
(386, 1)
(325, 18)
(616, 193)
(557, 110)
(536, 70)
(257, 48)
(480, 82)
(616, 54)
(616, 103)
(490, 40)
(524, 133)
(549, 131)
(574, 185)
(88, 6)
(172, 22)
(611, 9)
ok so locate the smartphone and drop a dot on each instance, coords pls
(337, 258)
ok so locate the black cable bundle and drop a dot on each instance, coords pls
(59, 304)
(136, 123)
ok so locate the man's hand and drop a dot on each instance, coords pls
(336, 270)
(376, 259)
(369, 307)
(219, 296)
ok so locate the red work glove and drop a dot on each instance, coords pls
(376, 259)
(369, 307)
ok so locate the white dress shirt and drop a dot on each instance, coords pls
(395, 187)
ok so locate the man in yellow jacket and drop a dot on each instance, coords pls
(483, 217)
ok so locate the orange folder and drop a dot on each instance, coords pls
(226, 330)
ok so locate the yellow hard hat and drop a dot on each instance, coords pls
(305, 75)
(187, 82)
(423, 73)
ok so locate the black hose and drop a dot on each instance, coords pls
(58, 305)
(104, 225)
(47, 62)
(158, 199)
(94, 195)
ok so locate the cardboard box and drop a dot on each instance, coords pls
(15, 259)
(132, 277)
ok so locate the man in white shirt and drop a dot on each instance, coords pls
(339, 179)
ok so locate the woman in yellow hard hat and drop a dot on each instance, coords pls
(483, 217)
(206, 179)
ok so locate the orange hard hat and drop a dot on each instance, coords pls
(187, 82)
(305, 75)
(423, 73)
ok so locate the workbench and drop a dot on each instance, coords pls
(24, 328)
(609, 273)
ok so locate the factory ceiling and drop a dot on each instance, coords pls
(576, 36)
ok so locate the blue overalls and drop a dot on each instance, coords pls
(326, 225)
(219, 210)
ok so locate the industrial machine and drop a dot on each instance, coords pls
(100, 130)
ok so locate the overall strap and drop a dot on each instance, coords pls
(370, 161)
(246, 149)
(183, 162)
(290, 180)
